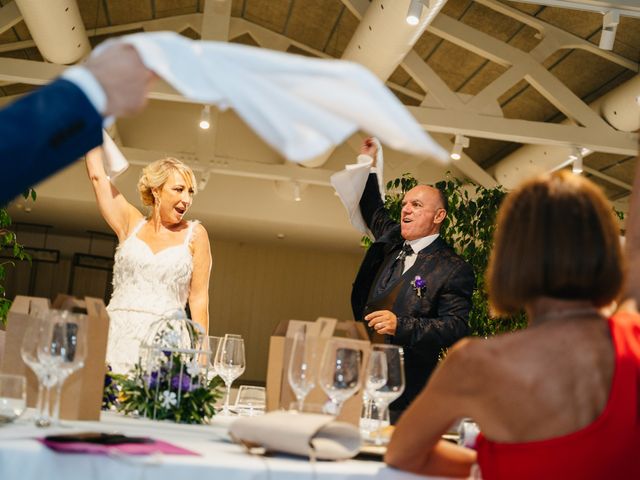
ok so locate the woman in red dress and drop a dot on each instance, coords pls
(561, 399)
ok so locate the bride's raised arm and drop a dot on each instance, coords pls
(115, 209)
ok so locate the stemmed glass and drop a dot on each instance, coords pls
(393, 355)
(230, 364)
(214, 344)
(339, 373)
(37, 331)
(376, 376)
(70, 334)
(302, 366)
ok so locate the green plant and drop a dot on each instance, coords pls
(13, 250)
(469, 227)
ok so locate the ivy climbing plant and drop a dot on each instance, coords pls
(11, 251)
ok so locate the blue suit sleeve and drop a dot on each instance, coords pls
(44, 132)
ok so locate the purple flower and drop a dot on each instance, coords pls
(418, 285)
(181, 382)
(152, 380)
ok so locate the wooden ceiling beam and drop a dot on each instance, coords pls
(236, 167)
(562, 38)
(525, 131)
(9, 16)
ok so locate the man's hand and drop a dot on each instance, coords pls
(369, 148)
(124, 78)
(383, 322)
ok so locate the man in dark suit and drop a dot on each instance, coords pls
(48, 129)
(412, 288)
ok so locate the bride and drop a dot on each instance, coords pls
(162, 261)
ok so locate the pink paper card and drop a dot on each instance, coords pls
(154, 446)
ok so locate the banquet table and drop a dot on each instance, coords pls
(22, 457)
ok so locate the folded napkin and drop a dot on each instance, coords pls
(305, 434)
(300, 106)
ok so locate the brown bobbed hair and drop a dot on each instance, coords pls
(556, 236)
(156, 174)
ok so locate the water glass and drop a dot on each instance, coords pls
(340, 373)
(302, 366)
(250, 400)
(374, 423)
(468, 431)
(229, 364)
(393, 356)
(13, 397)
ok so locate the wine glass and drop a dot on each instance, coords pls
(230, 364)
(375, 378)
(376, 372)
(13, 397)
(214, 344)
(339, 373)
(37, 331)
(302, 366)
(393, 387)
(70, 332)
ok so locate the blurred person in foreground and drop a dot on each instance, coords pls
(50, 128)
(559, 400)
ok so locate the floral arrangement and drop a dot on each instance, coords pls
(419, 285)
(168, 382)
(170, 392)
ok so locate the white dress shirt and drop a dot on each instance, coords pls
(417, 245)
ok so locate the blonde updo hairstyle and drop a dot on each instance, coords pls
(156, 174)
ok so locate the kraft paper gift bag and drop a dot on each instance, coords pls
(279, 393)
(82, 391)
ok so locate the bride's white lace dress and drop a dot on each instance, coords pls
(146, 286)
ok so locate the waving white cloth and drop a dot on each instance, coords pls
(114, 161)
(350, 182)
(300, 106)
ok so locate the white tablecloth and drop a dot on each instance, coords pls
(23, 458)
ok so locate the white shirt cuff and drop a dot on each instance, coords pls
(86, 82)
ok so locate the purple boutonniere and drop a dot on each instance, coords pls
(418, 285)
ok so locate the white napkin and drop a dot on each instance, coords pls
(112, 158)
(350, 182)
(304, 434)
(300, 106)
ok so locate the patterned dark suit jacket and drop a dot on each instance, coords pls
(426, 323)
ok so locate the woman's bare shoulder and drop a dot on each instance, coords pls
(474, 364)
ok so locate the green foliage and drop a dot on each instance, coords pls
(9, 245)
(469, 227)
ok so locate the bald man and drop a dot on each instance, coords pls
(412, 289)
